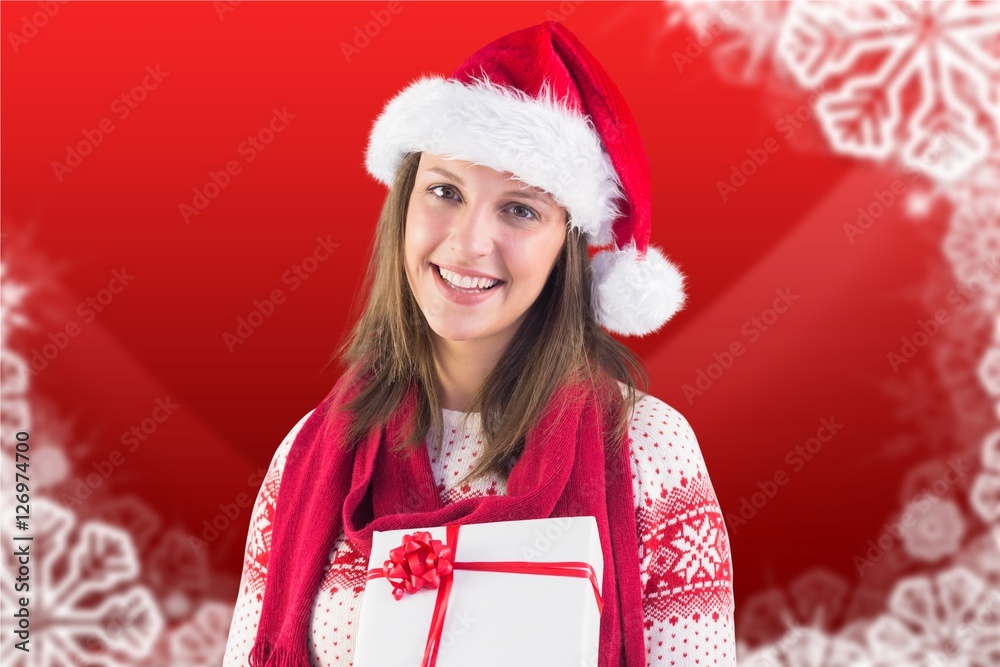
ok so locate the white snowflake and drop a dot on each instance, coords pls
(982, 556)
(936, 530)
(201, 641)
(133, 515)
(174, 566)
(12, 295)
(989, 371)
(919, 202)
(818, 597)
(918, 81)
(15, 412)
(985, 493)
(739, 36)
(985, 496)
(51, 466)
(697, 548)
(972, 246)
(86, 605)
(808, 647)
(979, 188)
(948, 620)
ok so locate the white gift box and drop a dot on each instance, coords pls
(492, 619)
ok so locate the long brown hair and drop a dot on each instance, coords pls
(559, 341)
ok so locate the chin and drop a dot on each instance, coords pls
(457, 335)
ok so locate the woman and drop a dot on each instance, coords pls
(478, 385)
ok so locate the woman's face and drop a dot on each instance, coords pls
(472, 221)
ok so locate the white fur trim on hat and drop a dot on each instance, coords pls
(542, 142)
(632, 297)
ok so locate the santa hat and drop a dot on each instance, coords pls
(537, 104)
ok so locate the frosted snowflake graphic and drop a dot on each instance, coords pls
(201, 641)
(134, 515)
(739, 36)
(985, 494)
(815, 599)
(87, 608)
(12, 295)
(919, 202)
(818, 596)
(972, 246)
(174, 569)
(979, 188)
(15, 414)
(914, 81)
(936, 530)
(989, 371)
(697, 547)
(801, 647)
(982, 556)
(950, 619)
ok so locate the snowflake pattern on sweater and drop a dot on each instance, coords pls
(683, 546)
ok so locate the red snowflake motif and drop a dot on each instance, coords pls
(685, 555)
(259, 546)
(347, 570)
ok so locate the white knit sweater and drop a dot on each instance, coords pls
(683, 547)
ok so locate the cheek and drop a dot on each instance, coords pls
(422, 229)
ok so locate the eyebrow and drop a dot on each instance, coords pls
(528, 194)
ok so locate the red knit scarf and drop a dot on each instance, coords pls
(562, 471)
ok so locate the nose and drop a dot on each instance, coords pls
(471, 231)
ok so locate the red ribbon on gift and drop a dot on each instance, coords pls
(422, 562)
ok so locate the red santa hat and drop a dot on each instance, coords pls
(537, 104)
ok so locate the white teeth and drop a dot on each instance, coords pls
(466, 282)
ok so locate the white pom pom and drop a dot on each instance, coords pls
(635, 298)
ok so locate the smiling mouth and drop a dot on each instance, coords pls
(466, 290)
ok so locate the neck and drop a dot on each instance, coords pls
(462, 367)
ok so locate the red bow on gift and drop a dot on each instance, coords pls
(419, 561)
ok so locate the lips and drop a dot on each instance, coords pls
(441, 270)
(459, 296)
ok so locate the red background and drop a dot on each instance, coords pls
(163, 335)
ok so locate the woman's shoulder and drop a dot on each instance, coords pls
(651, 411)
(665, 450)
(281, 453)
